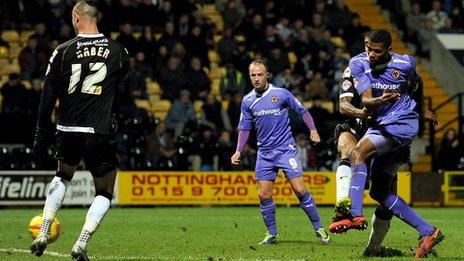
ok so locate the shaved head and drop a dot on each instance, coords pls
(84, 16)
(87, 9)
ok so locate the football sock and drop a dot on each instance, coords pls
(404, 212)
(309, 207)
(343, 177)
(358, 181)
(95, 215)
(268, 210)
(379, 230)
(55, 196)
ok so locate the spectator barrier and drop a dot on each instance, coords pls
(453, 188)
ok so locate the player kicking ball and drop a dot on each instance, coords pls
(85, 74)
(383, 79)
(266, 107)
(346, 135)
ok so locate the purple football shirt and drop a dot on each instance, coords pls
(269, 113)
(399, 72)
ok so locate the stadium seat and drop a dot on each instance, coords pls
(153, 88)
(160, 114)
(326, 105)
(225, 104)
(10, 36)
(217, 38)
(15, 49)
(137, 35)
(4, 52)
(292, 59)
(213, 56)
(215, 86)
(4, 62)
(162, 105)
(10, 68)
(217, 73)
(197, 106)
(143, 104)
(114, 35)
(24, 36)
(240, 38)
(153, 98)
(27, 84)
(338, 41)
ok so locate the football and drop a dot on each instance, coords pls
(35, 224)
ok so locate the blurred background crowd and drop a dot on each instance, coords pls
(188, 72)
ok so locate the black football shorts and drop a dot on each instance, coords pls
(97, 150)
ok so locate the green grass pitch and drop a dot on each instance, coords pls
(218, 233)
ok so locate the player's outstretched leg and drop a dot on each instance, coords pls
(95, 215)
(426, 243)
(380, 226)
(429, 236)
(356, 220)
(268, 210)
(55, 196)
(309, 207)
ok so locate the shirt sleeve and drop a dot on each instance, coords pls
(246, 119)
(346, 88)
(361, 82)
(294, 103)
(414, 72)
(50, 90)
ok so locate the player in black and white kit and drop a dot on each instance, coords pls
(85, 74)
(346, 137)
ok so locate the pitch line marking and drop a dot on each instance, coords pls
(57, 254)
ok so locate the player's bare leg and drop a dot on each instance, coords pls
(104, 187)
(55, 196)
(268, 210)
(308, 205)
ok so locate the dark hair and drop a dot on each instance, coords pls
(380, 36)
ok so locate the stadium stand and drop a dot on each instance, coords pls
(311, 40)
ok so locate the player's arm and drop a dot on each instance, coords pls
(347, 109)
(297, 106)
(123, 89)
(417, 93)
(388, 96)
(244, 126)
(362, 84)
(48, 101)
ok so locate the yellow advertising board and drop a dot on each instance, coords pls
(225, 188)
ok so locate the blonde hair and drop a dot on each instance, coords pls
(259, 61)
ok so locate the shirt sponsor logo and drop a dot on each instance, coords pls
(99, 42)
(275, 112)
(384, 86)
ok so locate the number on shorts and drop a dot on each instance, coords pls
(293, 163)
